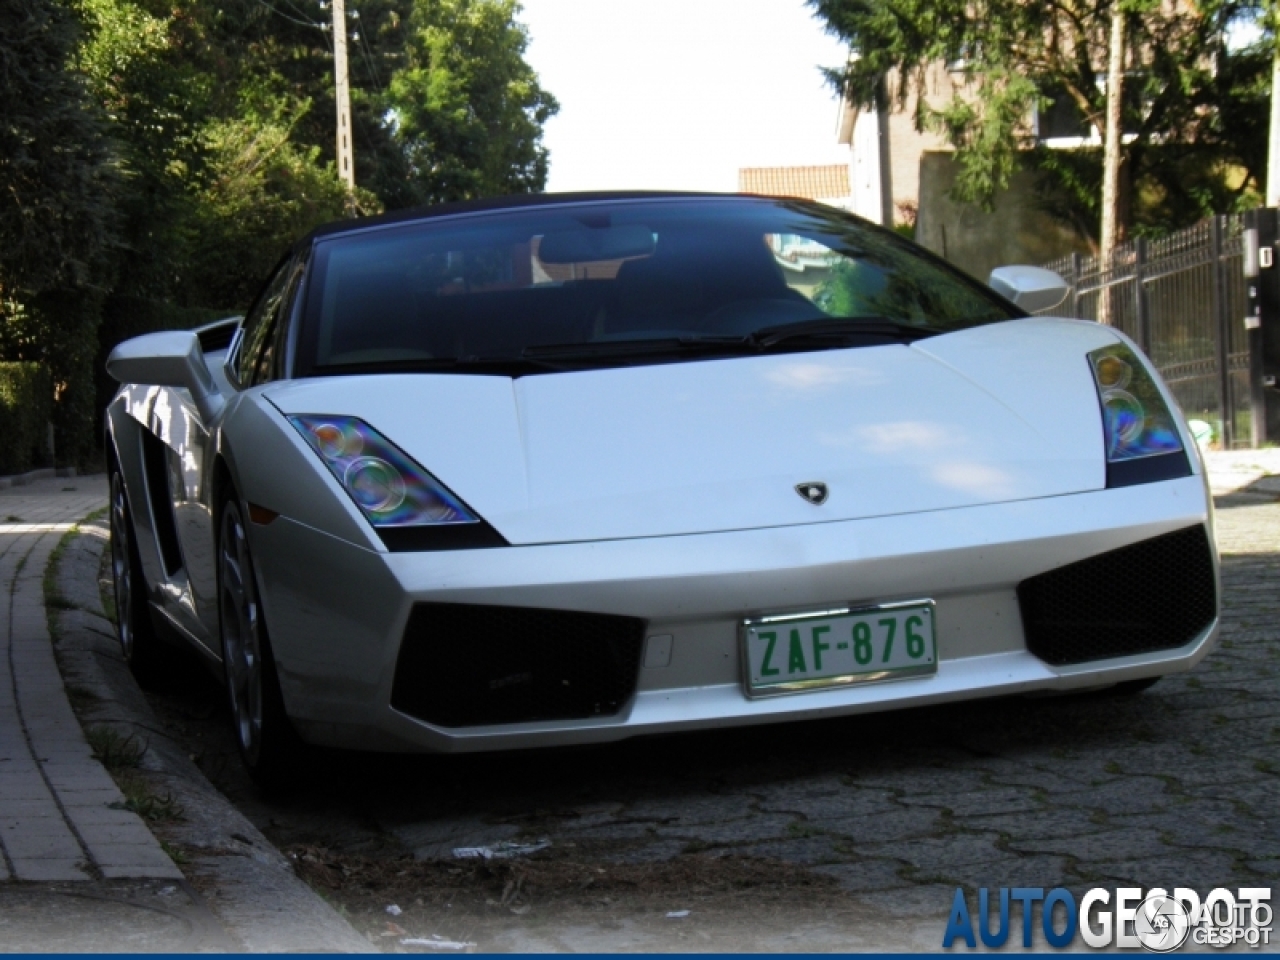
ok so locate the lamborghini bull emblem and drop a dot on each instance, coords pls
(814, 491)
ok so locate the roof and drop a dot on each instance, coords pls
(494, 203)
(826, 182)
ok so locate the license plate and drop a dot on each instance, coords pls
(792, 653)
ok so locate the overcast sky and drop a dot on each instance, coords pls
(678, 94)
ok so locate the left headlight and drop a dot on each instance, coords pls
(1141, 436)
(389, 488)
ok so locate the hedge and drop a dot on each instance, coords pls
(26, 407)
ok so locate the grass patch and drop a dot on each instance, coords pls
(113, 751)
(122, 756)
(145, 802)
(176, 853)
(108, 595)
(54, 601)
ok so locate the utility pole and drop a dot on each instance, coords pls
(1273, 143)
(1112, 139)
(342, 94)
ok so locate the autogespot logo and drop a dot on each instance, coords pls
(1155, 920)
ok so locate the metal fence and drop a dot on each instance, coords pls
(1176, 297)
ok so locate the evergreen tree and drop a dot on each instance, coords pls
(1193, 104)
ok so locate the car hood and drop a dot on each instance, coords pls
(997, 413)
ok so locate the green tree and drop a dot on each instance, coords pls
(58, 218)
(158, 156)
(1192, 102)
(258, 191)
(57, 168)
(466, 109)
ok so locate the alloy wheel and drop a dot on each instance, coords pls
(242, 648)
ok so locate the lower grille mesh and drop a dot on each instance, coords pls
(464, 665)
(1154, 595)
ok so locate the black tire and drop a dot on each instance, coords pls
(146, 654)
(269, 747)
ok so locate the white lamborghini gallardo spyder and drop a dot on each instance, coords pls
(564, 469)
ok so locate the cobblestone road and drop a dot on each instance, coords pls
(1176, 786)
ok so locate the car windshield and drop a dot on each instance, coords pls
(560, 286)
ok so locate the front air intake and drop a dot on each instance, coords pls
(1158, 594)
(464, 665)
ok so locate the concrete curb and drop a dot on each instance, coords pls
(247, 884)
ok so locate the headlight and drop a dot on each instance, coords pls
(389, 488)
(1140, 434)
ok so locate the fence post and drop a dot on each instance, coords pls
(1262, 319)
(1262, 277)
(1222, 333)
(1077, 269)
(1141, 314)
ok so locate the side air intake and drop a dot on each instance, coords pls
(1155, 595)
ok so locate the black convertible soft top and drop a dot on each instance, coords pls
(513, 202)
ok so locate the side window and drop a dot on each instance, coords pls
(259, 323)
(272, 355)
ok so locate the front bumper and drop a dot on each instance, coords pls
(336, 612)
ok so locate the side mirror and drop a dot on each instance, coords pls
(170, 358)
(1031, 288)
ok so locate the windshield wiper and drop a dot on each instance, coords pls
(802, 335)
(620, 349)
(842, 329)
(500, 366)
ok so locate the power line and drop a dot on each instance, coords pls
(369, 61)
(281, 13)
(302, 13)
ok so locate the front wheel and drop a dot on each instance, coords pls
(265, 738)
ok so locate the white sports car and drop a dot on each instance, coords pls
(565, 469)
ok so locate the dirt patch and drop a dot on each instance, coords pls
(691, 902)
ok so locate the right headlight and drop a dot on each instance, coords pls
(408, 508)
(1141, 436)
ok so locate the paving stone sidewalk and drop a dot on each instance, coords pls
(62, 818)
(79, 870)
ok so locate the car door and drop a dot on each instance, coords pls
(190, 557)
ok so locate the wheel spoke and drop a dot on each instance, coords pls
(241, 637)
